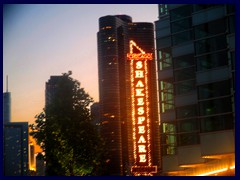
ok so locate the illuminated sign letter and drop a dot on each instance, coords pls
(139, 74)
(139, 65)
(139, 84)
(142, 158)
(140, 101)
(141, 129)
(141, 119)
(139, 92)
(141, 148)
(140, 111)
(141, 139)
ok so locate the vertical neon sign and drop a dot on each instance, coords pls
(140, 111)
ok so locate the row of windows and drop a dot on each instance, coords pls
(211, 61)
(194, 125)
(183, 32)
(186, 11)
(182, 139)
(211, 44)
(207, 105)
(203, 62)
(188, 131)
(215, 106)
(213, 90)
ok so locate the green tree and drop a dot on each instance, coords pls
(71, 144)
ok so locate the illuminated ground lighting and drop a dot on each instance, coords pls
(216, 171)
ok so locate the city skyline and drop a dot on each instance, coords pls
(44, 40)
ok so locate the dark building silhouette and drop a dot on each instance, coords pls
(51, 88)
(196, 73)
(115, 33)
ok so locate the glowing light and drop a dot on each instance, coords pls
(140, 111)
(138, 56)
(213, 172)
(142, 158)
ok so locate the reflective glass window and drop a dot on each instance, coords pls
(181, 25)
(211, 44)
(231, 22)
(215, 106)
(165, 58)
(188, 139)
(210, 61)
(184, 74)
(166, 95)
(181, 37)
(183, 61)
(168, 138)
(189, 125)
(199, 7)
(163, 42)
(210, 28)
(186, 111)
(216, 89)
(217, 123)
(185, 87)
(181, 12)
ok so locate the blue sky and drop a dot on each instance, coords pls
(40, 40)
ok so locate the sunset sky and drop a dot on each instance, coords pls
(44, 40)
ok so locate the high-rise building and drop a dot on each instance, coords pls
(51, 88)
(196, 74)
(7, 105)
(117, 37)
(15, 149)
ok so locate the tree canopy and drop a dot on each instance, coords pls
(71, 144)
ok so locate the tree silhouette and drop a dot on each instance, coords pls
(71, 144)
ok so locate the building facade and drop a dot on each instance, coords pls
(116, 126)
(15, 149)
(196, 77)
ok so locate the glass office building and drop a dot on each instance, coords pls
(196, 78)
(114, 35)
